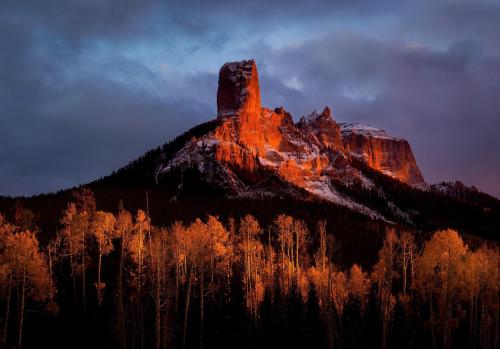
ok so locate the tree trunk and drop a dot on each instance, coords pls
(141, 328)
(7, 310)
(483, 324)
(99, 264)
(121, 315)
(21, 311)
(297, 251)
(50, 274)
(384, 306)
(158, 303)
(165, 330)
(283, 266)
(212, 282)
(433, 331)
(404, 275)
(497, 324)
(177, 284)
(201, 305)
(331, 334)
(139, 287)
(83, 271)
(271, 263)
(73, 276)
(186, 308)
(471, 321)
(329, 313)
(158, 319)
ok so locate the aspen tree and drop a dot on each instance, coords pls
(439, 278)
(53, 255)
(72, 243)
(218, 251)
(481, 287)
(407, 251)
(29, 272)
(103, 230)
(6, 272)
(359, 285)
(339, 293)
(284, 227)
(123, 228)
(320, 275)
(85, 206)
(383, 275)
(178, 249)
(160, 256)
(137, 249)
(253, 251)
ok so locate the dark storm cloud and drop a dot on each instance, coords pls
(77, 19)
(456, 21)
(86, 86)
(66, 121)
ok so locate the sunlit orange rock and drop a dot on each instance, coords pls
(390, 155)
(292, 172)
(252, 142)
(251, 136)
(323, 129)
(238, 88)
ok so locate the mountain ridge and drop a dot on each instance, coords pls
(359, 187)
(310, 154)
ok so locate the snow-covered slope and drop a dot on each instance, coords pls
(347, 129)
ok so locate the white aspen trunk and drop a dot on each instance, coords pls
(202, 312)
(83, 271)
(51, 296)
(186, 308)
(99, 264)
(405, 262)
(7, 310)
(21, 313)
(73, 276)
(121, 315)
(177, 281)
(158, 303)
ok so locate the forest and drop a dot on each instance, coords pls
(115, 280)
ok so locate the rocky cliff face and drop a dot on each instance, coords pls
(253, 142)
(238, 88)
(392, 156)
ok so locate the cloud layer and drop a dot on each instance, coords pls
(87, 86)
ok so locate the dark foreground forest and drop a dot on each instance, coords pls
(114, 280)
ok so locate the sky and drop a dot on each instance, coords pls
(88, 85)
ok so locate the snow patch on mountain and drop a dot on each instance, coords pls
(364, 130)
(199, 154)
(323, 188)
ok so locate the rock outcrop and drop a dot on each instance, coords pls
(455, 189)
(392, 156)
(238, 89)
(325, 131)
(311, 154)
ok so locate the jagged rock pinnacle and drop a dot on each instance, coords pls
(238, 89)
(326, 112)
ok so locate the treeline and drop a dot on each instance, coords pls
(115, 280)
(142, 171)
(476, 214)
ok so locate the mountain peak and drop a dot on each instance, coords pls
(252, 144)
(238, 89)
(326, 112)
